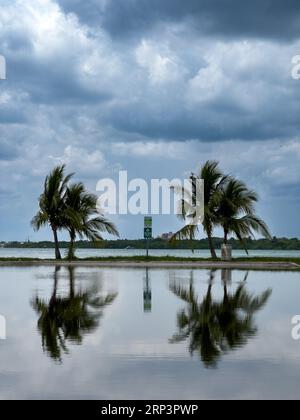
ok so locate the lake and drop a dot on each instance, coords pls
(85, 253)
(90, 333)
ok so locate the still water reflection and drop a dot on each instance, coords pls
(148, 334)
(69, 318)
(215, 326)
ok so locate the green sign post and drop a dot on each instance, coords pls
(147, 231)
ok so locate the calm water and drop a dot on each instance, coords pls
(148, 334)
(84, 253)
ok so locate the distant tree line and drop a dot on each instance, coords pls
(284, 244)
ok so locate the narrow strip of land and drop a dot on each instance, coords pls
(246, 264)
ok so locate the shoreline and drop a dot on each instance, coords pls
(184, 264)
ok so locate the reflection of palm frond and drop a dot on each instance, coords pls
(215, 327)
(252, 304)
(63, 319)
(185, 295)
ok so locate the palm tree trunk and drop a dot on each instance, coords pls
(225, 236)
(57, 251)
(225, 298)
(71, 253)
(71, 280)
(54, 292)
(211, 246)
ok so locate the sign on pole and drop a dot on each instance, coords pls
(147, 231)
(148, 227)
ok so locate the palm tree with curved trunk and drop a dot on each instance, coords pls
(213, 179)
(236, 212)
(82, 217)
(51, 203)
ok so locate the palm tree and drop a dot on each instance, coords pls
(236, 212)
(52, 204)
(213, 181)
(80, 217)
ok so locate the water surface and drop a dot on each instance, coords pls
(85, 253)
(148, 334)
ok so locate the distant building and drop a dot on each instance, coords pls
(166, 236)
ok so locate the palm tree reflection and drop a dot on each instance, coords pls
(214, 327)
(147, 294)
(68, 319)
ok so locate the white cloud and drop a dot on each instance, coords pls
(162, 65)
(208, 84)
(150, 149)
(248, 73)
(86, 162)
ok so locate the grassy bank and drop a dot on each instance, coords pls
(142, 258)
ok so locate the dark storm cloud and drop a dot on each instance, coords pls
(90, 12)
(56, 82)
(55, 85)
(257, 18)
(219, 120)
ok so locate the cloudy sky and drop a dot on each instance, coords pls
(154, 87)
